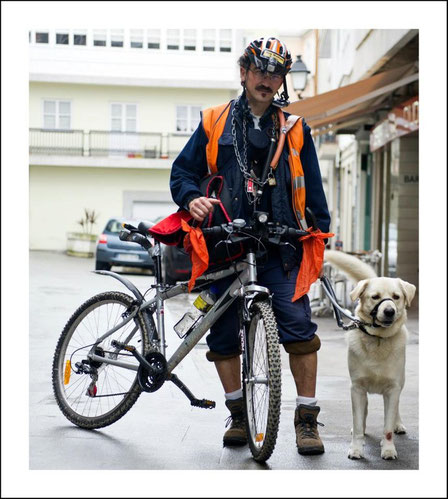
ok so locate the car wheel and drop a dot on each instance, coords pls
(102, 265)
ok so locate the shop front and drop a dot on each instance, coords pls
(395, 148)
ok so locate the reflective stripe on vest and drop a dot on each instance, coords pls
(213, 122)
(295, 143)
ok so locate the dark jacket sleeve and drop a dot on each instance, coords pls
(189, 168)
(315, 195)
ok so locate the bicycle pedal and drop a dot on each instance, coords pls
(122, 346)
(203, 404)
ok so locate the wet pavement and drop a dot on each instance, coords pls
(162, 431)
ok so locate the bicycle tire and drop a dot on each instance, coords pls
(262, 381)
(100, 407)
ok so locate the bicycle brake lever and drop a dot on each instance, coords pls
(287, 244)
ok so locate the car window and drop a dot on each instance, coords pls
(114, 226)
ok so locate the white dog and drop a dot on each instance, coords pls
(376, 352)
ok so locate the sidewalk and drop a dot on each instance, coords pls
(162, 431)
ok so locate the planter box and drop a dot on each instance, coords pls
(80, 244)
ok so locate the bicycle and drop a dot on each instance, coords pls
(113, 347)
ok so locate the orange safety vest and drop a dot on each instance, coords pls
(213, 121)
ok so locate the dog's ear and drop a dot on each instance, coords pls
(359, 289)
(408, 291)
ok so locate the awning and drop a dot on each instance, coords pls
(352, 103)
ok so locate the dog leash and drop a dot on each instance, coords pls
(338, 310)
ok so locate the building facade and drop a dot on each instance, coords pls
(364, 118)
(109, 110)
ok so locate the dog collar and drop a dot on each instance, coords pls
(364, 330)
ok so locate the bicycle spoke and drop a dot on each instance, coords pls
(103, 392)
(262, 386)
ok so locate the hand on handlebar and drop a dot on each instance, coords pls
(199, 208)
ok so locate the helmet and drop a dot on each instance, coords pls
(269, 55)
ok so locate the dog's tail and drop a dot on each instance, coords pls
(355, 269)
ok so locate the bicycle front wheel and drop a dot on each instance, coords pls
(94, 394)
(262, 381)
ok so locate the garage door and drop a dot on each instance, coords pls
(148, 210)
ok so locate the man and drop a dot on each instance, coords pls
(247, 126)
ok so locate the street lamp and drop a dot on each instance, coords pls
(299, 74)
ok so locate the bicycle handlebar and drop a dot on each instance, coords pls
(132, 235)
(269, 230)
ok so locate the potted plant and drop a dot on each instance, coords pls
(83, 243)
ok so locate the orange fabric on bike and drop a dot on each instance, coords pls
(194, 244)
(312, 261)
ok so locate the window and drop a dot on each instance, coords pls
(123, 140)
(153, 38)
(62, 38)
(190, 39)
(209, 40)
(187, 118)
(225, 40)
(80, 37)
(116, 38)
(57, 114)
(123, 117)
(42, 37)
(99, 38)
(173, 36)
(137, 38)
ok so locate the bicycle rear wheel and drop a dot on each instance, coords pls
(102, 396)
(262, 381)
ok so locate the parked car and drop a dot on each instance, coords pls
(111, 251)
(176, 264)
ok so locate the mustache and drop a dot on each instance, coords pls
(262, 88)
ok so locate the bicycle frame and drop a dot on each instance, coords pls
(244, 286)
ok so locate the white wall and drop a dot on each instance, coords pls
(90, 104)
(377, 48)
(58, 196)
(358, 53)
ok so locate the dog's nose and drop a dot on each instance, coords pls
(389, 312)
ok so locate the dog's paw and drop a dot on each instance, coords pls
(388, 450)
(389, 453)
(355, 452)
(400, 429)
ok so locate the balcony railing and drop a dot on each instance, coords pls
(105, 143)
(61, 142)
